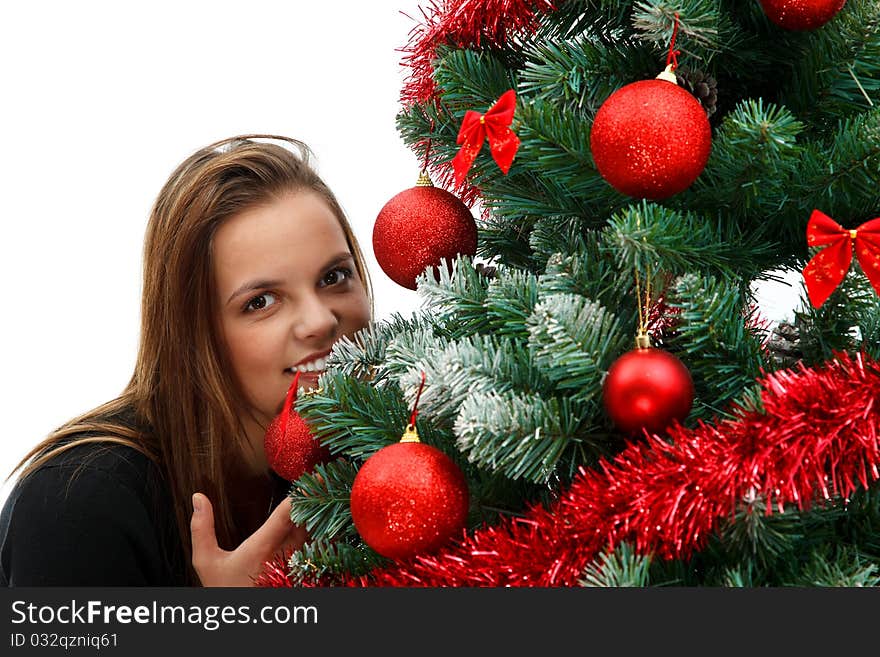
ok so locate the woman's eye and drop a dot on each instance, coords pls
(260, 302)
(335, 276)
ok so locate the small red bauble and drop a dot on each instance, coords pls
(407, 499)
(418, 227)
(651, 139)
(647, 389)
(801, 14)
(291, 448)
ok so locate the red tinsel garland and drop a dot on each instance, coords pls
(463, 24)
(817, 437)
(275, 573)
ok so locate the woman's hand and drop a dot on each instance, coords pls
(240, 567)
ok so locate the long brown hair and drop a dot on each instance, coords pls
(182, 387)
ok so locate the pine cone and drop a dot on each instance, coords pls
(702, 85)
(487, 271)
(784, 345)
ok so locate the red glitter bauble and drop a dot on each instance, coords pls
(801, 14)
(418, 227)
(295, 451)
(647, 389)
(651, 139)
(408, 498)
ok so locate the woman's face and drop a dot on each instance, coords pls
(287, 290)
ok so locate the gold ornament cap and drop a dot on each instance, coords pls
(410, 435)
(424, 180)
(668, 75)
(643, 341)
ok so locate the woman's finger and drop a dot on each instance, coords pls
(272, 534)
(204, 538)
(295, 539)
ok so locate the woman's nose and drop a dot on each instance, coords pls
(315, 319)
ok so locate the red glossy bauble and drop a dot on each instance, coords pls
(801, 14)
(408, 498)
(647, 389)
(295, 451)
(418, 227)
(651, 139)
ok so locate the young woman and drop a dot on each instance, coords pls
(251, 271)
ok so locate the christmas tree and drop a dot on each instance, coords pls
(597, 368)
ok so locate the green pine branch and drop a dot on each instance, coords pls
(840, 567)
(355, 418)
(698, 26)
(620, 567)
(574, 17)
(327, 561)
(470, 80)
(574, 341)
(580, 262)
(505, 240)
(714, 338)
(510, 300)
(363, 355)
(459, 294)
(837, 72)
(649, 235)
(840, 174)
(320, 500)
(578, 74)
(455, 370)
(526, 435)
(845, 322)
(752, 163)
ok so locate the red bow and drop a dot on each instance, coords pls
(494, 125)
(828, 267)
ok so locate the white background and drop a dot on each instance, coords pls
(101, 100)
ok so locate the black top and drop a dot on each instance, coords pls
(97, 515)
(100, 514)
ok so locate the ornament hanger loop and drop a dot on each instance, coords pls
(415, 410)
(288, 402)
(428, 144)
(668, 73)
(643, 339)
(672, 56)
(859, 85)
(411, 435)
(427, 153)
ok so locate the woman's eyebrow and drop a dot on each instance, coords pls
(339, 257)
(254, 285)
